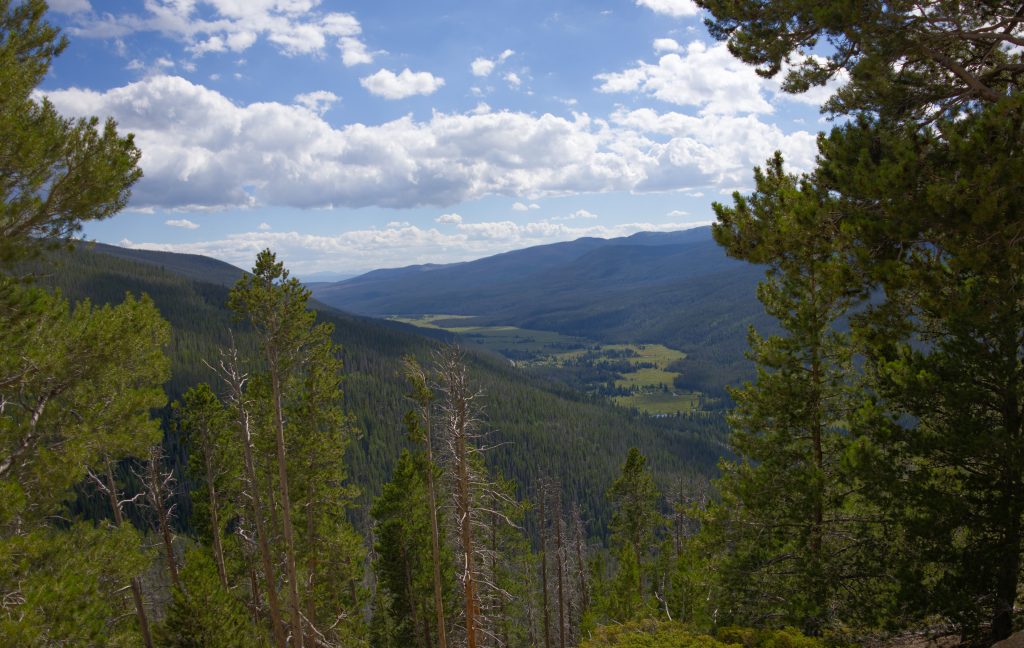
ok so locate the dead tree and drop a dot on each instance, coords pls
(236, 381)
(423, 396)
(477, 501)
(106, 485)
(158, 485)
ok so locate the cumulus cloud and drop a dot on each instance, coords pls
(183, 223)
(293, 26)
(482, 67)
(69, 6)
(398, 244)
(270, 153)
(579, 213)
(448, 219)
(667, 45)
(264, 227)
(354, 52)
(387, 84)
(513, 80)
(319, 101)
(677, 213)
(674, 8)
(708, 77)
(521, 206)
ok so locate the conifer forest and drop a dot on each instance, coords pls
(193, 457)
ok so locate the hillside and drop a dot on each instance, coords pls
(675, 288)
(538, 427)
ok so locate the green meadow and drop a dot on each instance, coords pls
(641, 375)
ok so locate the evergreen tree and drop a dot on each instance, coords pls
(940, 448)
(55, 173)
(905, 60)
(403, 562)
(205, 614)
(787, 515)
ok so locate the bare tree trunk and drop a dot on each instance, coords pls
(156, 486)
(286, 506)
(236, 384)
(466, 531)
(311, 570)
(560, 561)
(422, 395)
(211, 488)
(581, 565)
(544, 563)
(136, 584)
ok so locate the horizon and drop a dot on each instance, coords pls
(356, 136)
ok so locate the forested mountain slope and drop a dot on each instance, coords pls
(538, 428)
(674, 288)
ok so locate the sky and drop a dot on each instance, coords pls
(349, 136)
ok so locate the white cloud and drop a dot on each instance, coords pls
(268, 153)
(482, 67)
(513, 80)
(677, 213)
(578, 214)
(674, 8)
(399, 244)
(708, 77)
(667, 45)
(163, 62)
(354, 52)
(183, 223)
(294, 26)
(448, 219)
(264, 227)
(387, 84)
(69, 6)
(712, 79)
(319, 101)
(521, 207)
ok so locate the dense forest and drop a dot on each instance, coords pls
(191, 456)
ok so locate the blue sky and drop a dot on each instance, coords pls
(355, 135)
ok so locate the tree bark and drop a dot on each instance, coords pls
(211, 487)
(286, 505)
(256, 505)
(136, 585)
(435, 536)
(544, 565)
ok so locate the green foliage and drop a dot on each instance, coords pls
(793, 532)
(634, 497)
(54, 172)
(403, 564)
(660, 634)
(203, 614)
(905, 60)
(82, 383)
(941, 439)
(66, 586)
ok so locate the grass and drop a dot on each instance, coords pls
(530, 347)
(659, 402)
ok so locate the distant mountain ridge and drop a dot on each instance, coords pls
(674, 288)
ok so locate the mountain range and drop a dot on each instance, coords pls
(673, 288)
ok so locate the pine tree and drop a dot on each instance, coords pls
(403, 564)
(940, 448)
(205, 614)
(786, 512)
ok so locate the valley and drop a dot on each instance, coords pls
(637, 377)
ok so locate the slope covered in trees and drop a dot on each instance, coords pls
(675, 288)
(540, 428)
